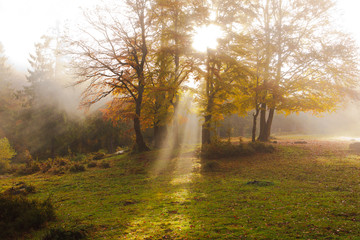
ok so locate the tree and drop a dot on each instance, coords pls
(172, 61)
(8, 103)
(6, 153)
(41, 120)
(5, 88)
(225, 70)
(113, 59)
(305, 63)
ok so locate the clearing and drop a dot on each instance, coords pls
(306, 191)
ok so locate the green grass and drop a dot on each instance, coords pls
(315, 194)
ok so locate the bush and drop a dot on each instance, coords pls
(91, 164)
(20, 188)
(105, 164)
(23, 157)
(56, 170)
(262, 147)
(31, 167)
(4, 166)
(220, 149)
(59, 165)
(61, 161)
(211, 166)
(65, 234)
(79, 158)
(224, 150)
(77, 168)
(99, 155)
(19, 215)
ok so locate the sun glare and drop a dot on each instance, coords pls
(207, 37)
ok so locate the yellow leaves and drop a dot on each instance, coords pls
(6, 151)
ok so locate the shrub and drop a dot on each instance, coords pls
(77, 168)
(60, 233)
(22, 157)
(45, 167)
(79, 158)
(211, 166)
(20, 188)
(105, 164)
(57, 170)
(31, 167)
(220, 149)
(61, 161)
(59, 165)
(19, 215)
(91, 164)
(4, 166)
(262, 147)
(99, 155)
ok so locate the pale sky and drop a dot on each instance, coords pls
(23, 22)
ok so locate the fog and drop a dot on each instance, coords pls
(343, 122)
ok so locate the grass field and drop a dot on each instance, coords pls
(305, 191)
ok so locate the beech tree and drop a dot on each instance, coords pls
(306, 64)
(112, 59)
(172, 63)
(226, 68)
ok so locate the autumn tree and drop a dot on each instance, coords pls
(171, 60)
(112, 58)
(225, 68)
(6, 153)
(306, 64)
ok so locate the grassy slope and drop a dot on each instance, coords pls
(315, 195)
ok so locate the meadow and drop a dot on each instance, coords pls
(300, 191)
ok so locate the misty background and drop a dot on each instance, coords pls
(44, 119)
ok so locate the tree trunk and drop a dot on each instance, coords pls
(159, 135)
(206, 133)
(255, 116)
(269, 123)
(139, 139)
(262, 134)
(265, 126)
(140, 144)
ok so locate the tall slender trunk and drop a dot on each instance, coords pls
(269, 123)
(262, 134)
(176, 80)
(253, 133)
(263, 122)
(175, 122)
(206, 131)
(139, 139)
(206, 127)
